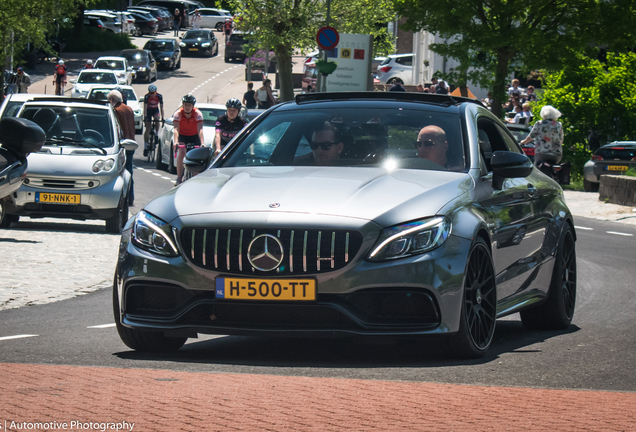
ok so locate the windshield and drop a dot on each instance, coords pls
(616, 152)
(12, 108)
(519, 134)
(388, 137)
(136, 57)
(97, 78)
(66, 125)
(197, 35)
(159, 46)
(210, 115)
(109, 64)
(102, 94)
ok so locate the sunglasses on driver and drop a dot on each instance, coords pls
(325, 145)
(426, 143)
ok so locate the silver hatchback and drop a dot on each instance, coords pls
(80, 171)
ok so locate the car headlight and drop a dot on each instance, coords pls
(142, 69)
(166, 59)
(121, 74)
(103, 165)
(154, 235)
(137, 112)
(409, 239)
(181, 44)
(205, 45)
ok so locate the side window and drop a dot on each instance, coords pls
(511, 145)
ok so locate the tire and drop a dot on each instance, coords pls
(179, 63)
(140, 340)
(219, 27)
(227, 59)
(116, 223)
(153, 148)
(590, 186)
(171, 168)
(556, 312)
(158, 162)
(479, 305)
(216, 50)
(149, 77)
(6, 219)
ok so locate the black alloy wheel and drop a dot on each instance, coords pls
(479, 308)
(115, 224)
(557, 311)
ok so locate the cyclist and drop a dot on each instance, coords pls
(228, 124)
(188, 131)
(153, 105)
(59, 78)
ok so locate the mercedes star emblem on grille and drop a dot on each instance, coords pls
(274, 205)
(265, 252)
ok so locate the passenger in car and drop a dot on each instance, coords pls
(431, 144)
(326, 146)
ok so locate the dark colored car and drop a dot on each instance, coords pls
(94, 22)
(166, 52)
(144, 23)
(142, 62)
(234, 47)
(614, 158)
(372, 213)
(199, 42)
(163, 22)
(171, 5)
(520, 132)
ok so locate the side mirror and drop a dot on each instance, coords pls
(197, 160)
(507, 164)
(73, 81)
(170, 121)
(129, 144)
(21, 136)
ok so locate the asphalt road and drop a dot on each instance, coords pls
(598, 352)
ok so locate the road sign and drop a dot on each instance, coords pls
(327, 38)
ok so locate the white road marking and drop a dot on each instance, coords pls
(583, 228)
(166, 178)
(620, 233)
(157, 174)
(101, 326)
(17, 337)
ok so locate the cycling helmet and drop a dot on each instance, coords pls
(189, 99)
(152, 88)
(233, 103)
(61, 62)
(89, 62)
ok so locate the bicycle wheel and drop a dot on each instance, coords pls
(151, 146)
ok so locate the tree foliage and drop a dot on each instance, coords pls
(492, 38)
(593, 96)
(289, 25)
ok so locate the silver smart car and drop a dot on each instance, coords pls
(80, 171)
(354, 214)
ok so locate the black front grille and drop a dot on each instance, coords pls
(303, 251)
(58, 184)
(57, 208)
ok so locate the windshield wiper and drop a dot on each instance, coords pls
(81, 143)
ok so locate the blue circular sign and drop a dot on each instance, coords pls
(327, 38)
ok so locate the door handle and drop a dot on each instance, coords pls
(532, 191)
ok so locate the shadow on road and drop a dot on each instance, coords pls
(354, 352)
(71, 227)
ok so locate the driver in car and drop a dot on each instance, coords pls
(431, 144)
(326, 145)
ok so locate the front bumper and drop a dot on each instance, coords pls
(415, 295)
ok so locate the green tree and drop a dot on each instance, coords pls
(492, 38)
(288, 25)
(593, 96)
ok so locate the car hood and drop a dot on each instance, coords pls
(363, 193)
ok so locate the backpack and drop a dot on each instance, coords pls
(60, 69)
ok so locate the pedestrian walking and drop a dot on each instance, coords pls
(264, 95)
(176, 21)
(23, 81)
(196, 19)
(126, 119)
(249, 98)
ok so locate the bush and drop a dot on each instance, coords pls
(94, 39)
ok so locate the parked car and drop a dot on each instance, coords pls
(319, 218)
(145, 24)
(110, 21)
(94, 22)
(142, 62)
(100, 93)
(396, 66)
(614, 158)
(520, 132)
(171, 5)
(234, 48)
(18, 138)
(119, 65)
(164, 152)
(80, 171)
(213, 18)
(121, 16)
(199, 42)
(166, 52)
(163, 22)
(90, 77)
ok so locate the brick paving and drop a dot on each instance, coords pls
(161, 400)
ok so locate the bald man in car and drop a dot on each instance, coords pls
(431, 144)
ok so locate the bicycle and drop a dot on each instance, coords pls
(153, 140)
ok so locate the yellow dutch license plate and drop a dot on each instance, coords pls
(617, 167)
(265, 289)
(54, 198)
(194, 49)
